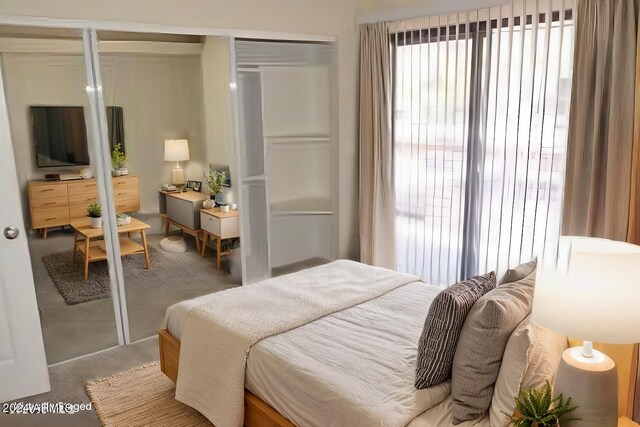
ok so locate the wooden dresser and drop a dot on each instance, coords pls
(57, 203)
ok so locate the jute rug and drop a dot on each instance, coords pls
(141, 397)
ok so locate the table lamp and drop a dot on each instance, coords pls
(590, 291)
(176, 150)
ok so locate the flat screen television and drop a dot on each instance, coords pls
(60, 136)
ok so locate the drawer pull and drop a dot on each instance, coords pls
(47, 189)
(50, 203)
(50, 219)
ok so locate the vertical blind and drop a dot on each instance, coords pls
(481, 106)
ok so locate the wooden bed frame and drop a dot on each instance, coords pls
(258, 414)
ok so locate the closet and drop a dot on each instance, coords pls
(287, 154)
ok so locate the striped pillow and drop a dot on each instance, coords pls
(442, 328)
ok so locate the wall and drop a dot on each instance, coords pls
(161, 98)
(217, 109)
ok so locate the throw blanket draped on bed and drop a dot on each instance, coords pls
(218, 335)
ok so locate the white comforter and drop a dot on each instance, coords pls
(218, 336)
(352, 368)
(358, 361)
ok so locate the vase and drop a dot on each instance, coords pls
(123, 171)
(219, 199)
(95, 222)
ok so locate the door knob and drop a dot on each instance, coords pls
(11, 232)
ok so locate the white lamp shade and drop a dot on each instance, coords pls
(593, 293)
(176, 150)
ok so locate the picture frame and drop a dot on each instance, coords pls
(195, 185)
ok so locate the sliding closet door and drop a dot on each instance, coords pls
(50, 94)
(253, 192)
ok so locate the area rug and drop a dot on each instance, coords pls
(68, 276)
(141, 397)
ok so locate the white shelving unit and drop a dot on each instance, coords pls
(288, 165)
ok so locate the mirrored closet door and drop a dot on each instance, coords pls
(54, 131)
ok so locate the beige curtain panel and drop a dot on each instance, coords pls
(377, 199)
(634, 204)
(601, 126)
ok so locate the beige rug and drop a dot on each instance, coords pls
(141, 397)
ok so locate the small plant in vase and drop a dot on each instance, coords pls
(119, 161)
(215, 179)
(538, 408)
(94, 211)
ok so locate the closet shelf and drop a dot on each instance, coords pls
(254, 178)
(298, 139)
(306, 206)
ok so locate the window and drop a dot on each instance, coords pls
(480, 129)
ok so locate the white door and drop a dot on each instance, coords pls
(23, 364)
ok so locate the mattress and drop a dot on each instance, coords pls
(356, 360)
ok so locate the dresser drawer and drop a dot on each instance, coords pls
(48, 191)
(45, 204)
(50, 218)
(123, 182)
(225, 228)
(82, 187)
(79, 203)
(129, 205)
(121, 194)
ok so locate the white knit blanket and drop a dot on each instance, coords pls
(218, 335)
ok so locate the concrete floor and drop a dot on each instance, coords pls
(74, 330)
(68, 380)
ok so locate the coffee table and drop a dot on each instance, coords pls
(92, 250)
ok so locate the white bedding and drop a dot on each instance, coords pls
(360, 359)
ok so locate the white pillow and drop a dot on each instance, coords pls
(532, 356)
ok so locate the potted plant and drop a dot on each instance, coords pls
(119, 160)
(215, 179)
(94, 211)
(538, 408)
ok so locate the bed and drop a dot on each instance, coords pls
(359, 362)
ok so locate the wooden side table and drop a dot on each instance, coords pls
(219, 226)
(626, 422)
(183, 211)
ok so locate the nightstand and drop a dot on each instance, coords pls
(182, 210)
(626, 422)
(219, 226)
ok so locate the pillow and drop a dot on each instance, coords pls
(484, 337)
(442, 328)
(532, 356)
(518, 273)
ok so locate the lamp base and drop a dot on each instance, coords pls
(592, 384)
(177, 176)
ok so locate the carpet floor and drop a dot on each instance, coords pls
(139, 397)
(68, 276)
(75, 330)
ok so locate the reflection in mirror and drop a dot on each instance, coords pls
(172, 94)
(51, 128)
